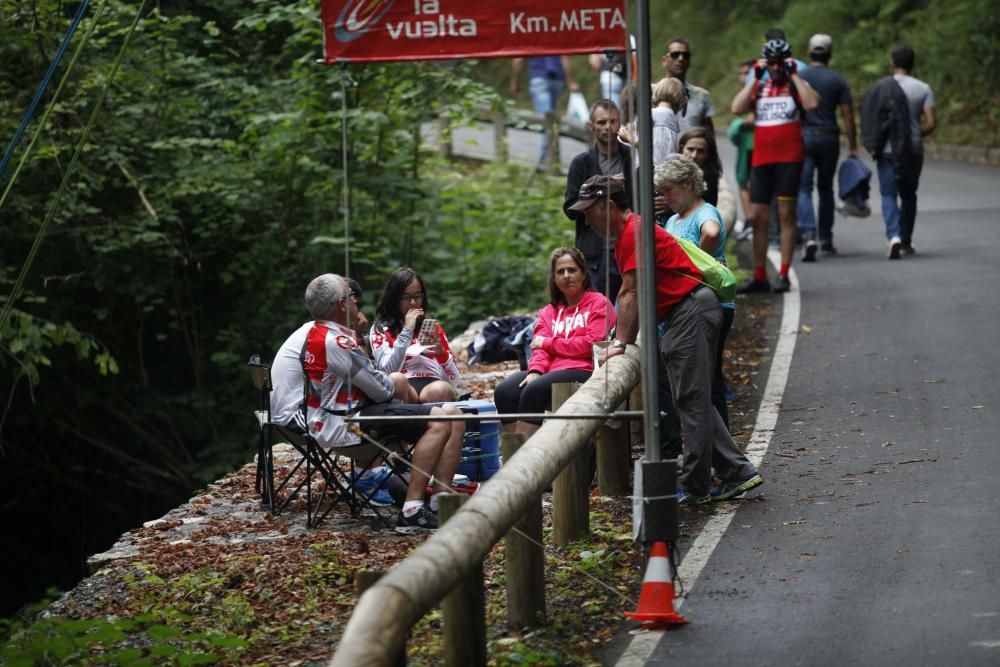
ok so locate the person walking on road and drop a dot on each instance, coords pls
(676, 62)
(778, 153)
(821, 138)
(547, 76)
(692, 316)
(899, 176)
(610, 157)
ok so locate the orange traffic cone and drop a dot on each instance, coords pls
(656, 602)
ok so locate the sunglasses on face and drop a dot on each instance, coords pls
(679, 54)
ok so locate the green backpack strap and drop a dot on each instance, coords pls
(714, 273)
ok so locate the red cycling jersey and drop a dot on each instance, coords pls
(777, 133)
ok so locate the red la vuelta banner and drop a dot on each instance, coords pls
(384, 30)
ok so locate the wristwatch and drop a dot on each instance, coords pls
(620, 344)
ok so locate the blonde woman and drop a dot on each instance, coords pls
(669, 100)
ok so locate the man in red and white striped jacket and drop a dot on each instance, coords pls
(331, 374)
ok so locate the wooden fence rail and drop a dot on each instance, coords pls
(376, 633)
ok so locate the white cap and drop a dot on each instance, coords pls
(820, 43)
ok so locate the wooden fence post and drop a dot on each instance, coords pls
(635, 403)
(463, 610)
(614, 460)
(444, 137)
(365, 579)
(571, 488)
(499, 135)
(552, 126)
(524, 563)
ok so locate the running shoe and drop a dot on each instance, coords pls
(728, 490)
(421, 521)
(895, 245)
(754, 285)
(371, 486)
(782, 283)
(809, 251)
(685, 498)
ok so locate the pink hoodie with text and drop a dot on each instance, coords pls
(570, 333)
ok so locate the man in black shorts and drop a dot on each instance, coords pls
(320, 375)
(778, 152)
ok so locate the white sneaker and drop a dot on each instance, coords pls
(742, 230)
(895, 244)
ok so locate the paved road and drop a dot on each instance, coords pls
(877, 539)
(524, 145)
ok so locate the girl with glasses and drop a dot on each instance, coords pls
(429, 368)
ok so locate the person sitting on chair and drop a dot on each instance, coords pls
(576, 317)
(428, 365)
(341, 380)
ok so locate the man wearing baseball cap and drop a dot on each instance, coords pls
(821, 137)
(693, 316)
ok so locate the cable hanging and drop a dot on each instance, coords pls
(48, 110)
(54, 207)
(30, 111)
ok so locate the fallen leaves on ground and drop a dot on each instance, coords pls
(222, 565)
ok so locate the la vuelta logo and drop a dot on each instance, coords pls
(357, 17)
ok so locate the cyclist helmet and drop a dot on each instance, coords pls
(776, 49)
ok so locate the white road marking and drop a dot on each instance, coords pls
(643, 644)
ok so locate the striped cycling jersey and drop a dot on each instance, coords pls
(341, 378)
(777, 133)
(401, 355)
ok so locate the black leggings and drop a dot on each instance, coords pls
(536, 396)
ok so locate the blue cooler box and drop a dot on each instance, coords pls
(481, 449)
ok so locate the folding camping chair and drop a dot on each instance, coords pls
(315, 458)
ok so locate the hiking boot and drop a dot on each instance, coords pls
(754, 285)
(371, 486)
(685, 498)
(895, 245)
(809, 251)
(782, 283)
(827, 248)
(728, 490)
(421, 521)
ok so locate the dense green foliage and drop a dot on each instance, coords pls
(210, 191)
(957, 45)
(149, 639)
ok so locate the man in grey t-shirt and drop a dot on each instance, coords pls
(902, 182)
(676, 62)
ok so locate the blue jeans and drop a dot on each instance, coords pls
(821, 154)
(611, 86)
(544, 95)
(899, 218)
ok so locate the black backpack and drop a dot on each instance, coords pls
(503, 339)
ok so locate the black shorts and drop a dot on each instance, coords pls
(419, 384)
(780, 180)
(408, 431)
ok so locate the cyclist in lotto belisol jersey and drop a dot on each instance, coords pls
(778, 152)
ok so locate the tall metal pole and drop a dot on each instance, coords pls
(645, 243)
